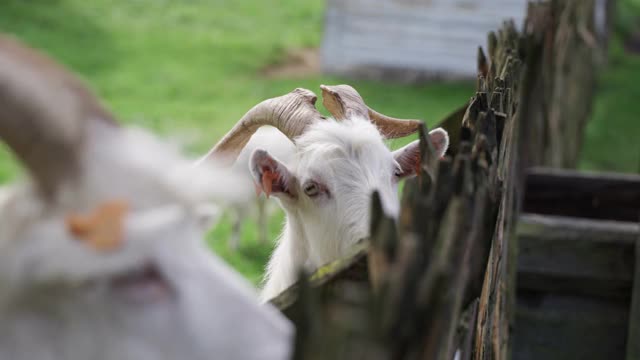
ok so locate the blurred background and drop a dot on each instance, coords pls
(190, 69)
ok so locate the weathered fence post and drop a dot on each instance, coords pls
(567, 74)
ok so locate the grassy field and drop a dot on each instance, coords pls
(611, 141)
(190, 69)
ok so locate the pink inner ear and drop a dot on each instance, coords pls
(440, 140)
(437, 141)
(271, 176)
(268, 178)
(409, 160)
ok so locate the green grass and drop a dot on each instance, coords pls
(627, 17)
(190, 69)
(251, 256)
(613, 133)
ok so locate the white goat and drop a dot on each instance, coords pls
(102, 255)
(326, 190)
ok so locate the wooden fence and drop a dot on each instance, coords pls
(448, 276)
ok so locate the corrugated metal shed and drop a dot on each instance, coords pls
(411, 37)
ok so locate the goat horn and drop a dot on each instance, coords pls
(291, 114)
(343, 101)
(43, 114)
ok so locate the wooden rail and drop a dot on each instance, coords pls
(578, 290)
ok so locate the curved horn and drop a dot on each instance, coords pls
(343, 101)
(43, 113)
(291, 114)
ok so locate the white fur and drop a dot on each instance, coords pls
(351, 158)
(57, 299)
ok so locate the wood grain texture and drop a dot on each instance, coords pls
(576, 256)
(367, 38)
(571, 193)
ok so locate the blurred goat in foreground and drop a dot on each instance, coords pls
(102, 252)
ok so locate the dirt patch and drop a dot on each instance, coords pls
(297, 63)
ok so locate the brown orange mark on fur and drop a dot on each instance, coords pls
(103, 229)
(417, 163)
(268, 177)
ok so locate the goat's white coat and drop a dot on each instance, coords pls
(56, 301)
(351, 158)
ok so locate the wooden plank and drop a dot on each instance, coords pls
(633, 335)
(429, 9)
(565, 327)
(587, 195)
(492, 335)
(468, 331)
(576, 256)
(495, 309)
(369, 38)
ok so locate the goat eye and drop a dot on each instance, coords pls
(312, 189)
(397, 172)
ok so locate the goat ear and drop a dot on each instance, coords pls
(440, 140)
(272, 176)
(409, 156)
